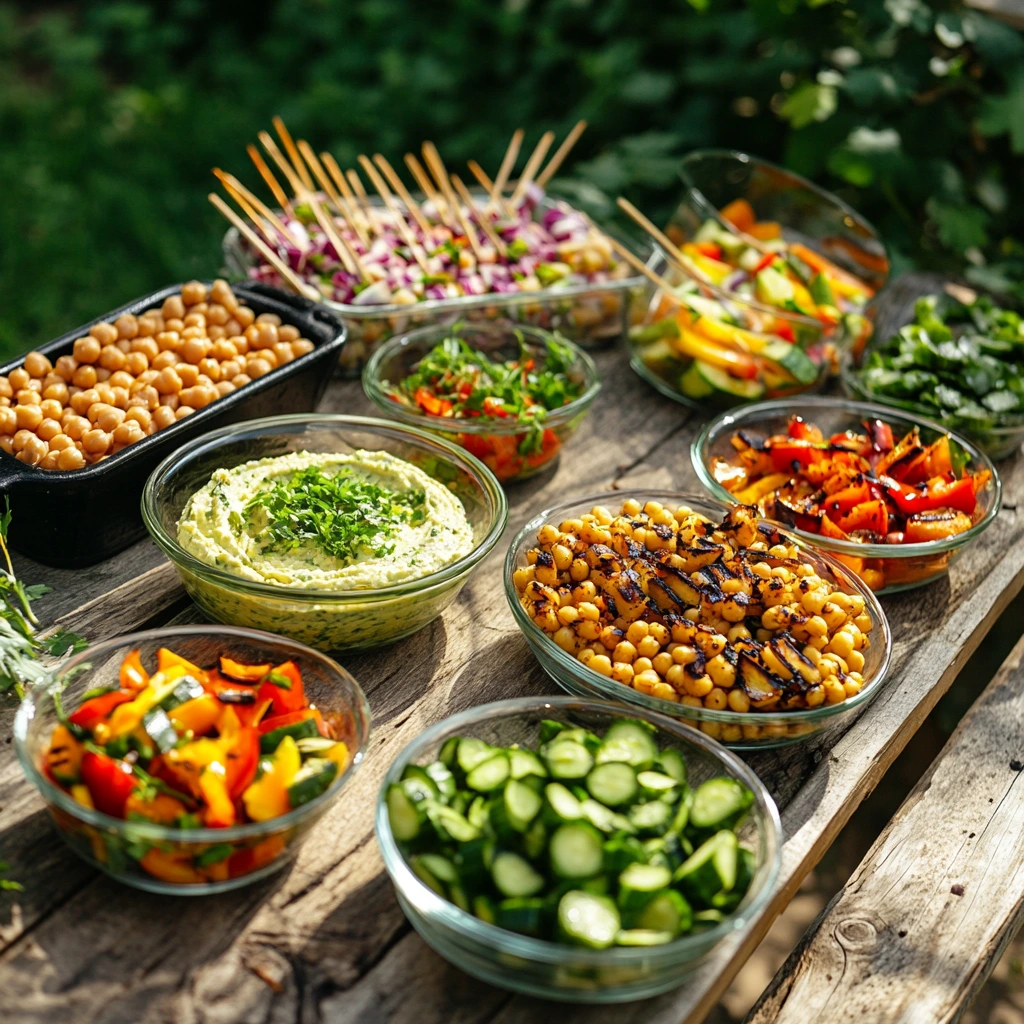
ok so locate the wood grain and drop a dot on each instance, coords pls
(926, 915)
(326, 940)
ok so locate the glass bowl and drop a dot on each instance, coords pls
(117, 846)
(903, 566)
(328, 620)
(498, 443)
(548, 969)
(753, 730)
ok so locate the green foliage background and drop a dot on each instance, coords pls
(113, 112)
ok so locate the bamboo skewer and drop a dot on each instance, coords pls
(345, 252)
(427, 188)
(561, 153)
(298, 189)
(638, 264)
(508, 161)
(275, 261)
(318, 172)
(397, 184)
(440, 173)
(364, 202)
(481, 176)
(247, 208)
(389, 201)
(293, 153)
(355, 214)
(536, 159)
(481, 218)
(268, 176)
(659, 236)
(244, 198)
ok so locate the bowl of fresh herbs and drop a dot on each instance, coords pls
(957, 358)
(511, 395)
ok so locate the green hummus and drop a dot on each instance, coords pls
(401, 525)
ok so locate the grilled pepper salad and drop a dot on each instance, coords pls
(727, 616)
(864, 487)
(190, 747)
(589, 841)
(455, 381)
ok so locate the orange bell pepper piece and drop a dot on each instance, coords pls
(219, 811)
(869, 515)
(198, 715)
(170, 867)
(163, 809)
(133, 675)
(245, 673)
(166, 659)
(740, 214)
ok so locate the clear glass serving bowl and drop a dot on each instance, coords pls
(328, 620)
(547, 969)
(903, 566)
(117, 846)
(753, 730)
(592, 315)
(497, 442)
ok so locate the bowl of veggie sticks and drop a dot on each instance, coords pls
(573, 850)
(951, 354)
(511, 395)
(894, 496)
(192, 759)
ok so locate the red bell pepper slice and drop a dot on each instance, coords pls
(765, 261)
(270, 724)
(241, 760)
(282, 686)
(959, 495)
(786, 455)
(133, 675)
(784, 329)
(838, 504)
(110, 782)
(96, 710)
(800, 430)
(430, 403)
(710, 249)
(872, 516)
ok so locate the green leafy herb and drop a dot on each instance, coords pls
(341, 514)
(9, 884)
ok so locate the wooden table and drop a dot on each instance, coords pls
(326, 939)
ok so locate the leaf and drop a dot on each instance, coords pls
(998, 115)
(960, 226)
(60, 643)
(809, 102)
(874, 86)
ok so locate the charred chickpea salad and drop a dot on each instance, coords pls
(189, 747)
(726, 616)
(455, 381)
(861, 486)
(126, 380)
(587, 840)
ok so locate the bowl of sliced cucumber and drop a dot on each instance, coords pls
(567, 849)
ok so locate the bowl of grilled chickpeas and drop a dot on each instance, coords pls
(694, 608)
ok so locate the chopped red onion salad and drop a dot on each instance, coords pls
(551, 247)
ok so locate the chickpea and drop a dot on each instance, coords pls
(34, 451)
(269, 318)
(147, 397)
(163, 417)
(137, 363)
(87, 350)
(59, 442)
(70, 458)
(28, 416)
(21, 438)
(121, 379)
(224, 349)
(76, 426)
(96, 442)
(137, 414)
(7, 443)
(282, 353)
(195, 326)
(166, 358)
(112, 358)
(188, 373)
(18, 379)
(174, 324)
(147, 346)
(109, 419)
(221, 290)
(102, 375)
(26, 396)
(8, 421)
(168, 382)
(57, 393)
(240, 380)
(106, 393)
(244, 315)
(224, 388)
(37, 364)
(171, 401)
(127, 433)
(81, 402)
(173, 307)
(241, 343)
(51, 409)
(302, 347)
(210, 368)
(183, 411)
(48, 429)
(6, 391)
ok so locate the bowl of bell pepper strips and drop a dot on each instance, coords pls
(192, 759)
(509, 394)
(895, 497)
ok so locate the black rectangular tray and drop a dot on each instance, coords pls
(80, 517)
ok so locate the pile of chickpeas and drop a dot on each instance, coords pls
(128, 379)
(593, 584)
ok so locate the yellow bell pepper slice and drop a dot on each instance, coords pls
(693, 346)
(755, 492)
(166, 659)
(267, 797)
(339, 755)
(127, 717)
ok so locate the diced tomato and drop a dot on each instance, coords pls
(872, 516)
(97, 709)
(476, 444)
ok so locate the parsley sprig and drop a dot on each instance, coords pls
(341, 514)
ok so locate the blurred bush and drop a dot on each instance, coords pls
(112, 114)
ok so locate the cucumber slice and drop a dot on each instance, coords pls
(718, 380)
(525, 763)
(719, 803)
(692, 383)
(672, 763)
(651, 818)
(536, 839)
(423, 782)
(459, 897)
(427, 877)
(483, 908)
(490, 774)
(630, 741)
(568, 760)
(614, 783)
(312, 779)
(514, 876)
(561, 804)
(549, 729)
(523, 915)
(313, 745)
(588, 920)
(521, 805)
(667, 911)
(708, 918)
(658, 786)
(477, 813)
(710, 870)
(639, 883)
(449, 751)
(305, 729)
(821, 290)
(474, 862)
(576, 851)
(472, 752)
(793, 359)
(440, 867)
(184, 689)
(601, 817)
(682, 818)
(450, 825)
(405, 815)
(418, 789)
(160, 729)
(439, 774)
(642, 937)
(745, 868)
(621, 850)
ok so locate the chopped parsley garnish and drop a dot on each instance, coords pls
(341, 514)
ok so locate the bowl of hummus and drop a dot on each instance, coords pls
(342, 532)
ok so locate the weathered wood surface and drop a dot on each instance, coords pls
(326, 940)
(924, 919)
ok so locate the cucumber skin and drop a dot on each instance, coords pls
(297, 730)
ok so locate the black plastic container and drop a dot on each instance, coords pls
(79, 517)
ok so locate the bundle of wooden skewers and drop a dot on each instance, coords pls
(328, 239)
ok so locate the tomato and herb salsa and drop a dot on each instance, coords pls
(864, 486)
(455, 381)
(189, 747)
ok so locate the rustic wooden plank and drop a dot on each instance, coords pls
(924, 918)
